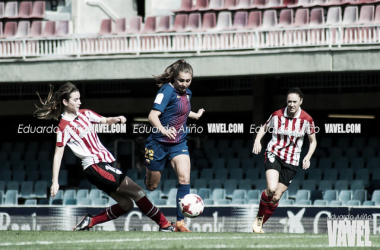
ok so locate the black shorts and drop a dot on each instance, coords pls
(104, 176)
(287, 171)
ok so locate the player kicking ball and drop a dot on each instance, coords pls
(282, 155)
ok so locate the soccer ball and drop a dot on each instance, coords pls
(191, 205)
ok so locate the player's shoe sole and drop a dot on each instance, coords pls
(168, 229)
(84, 224)
(257, 226)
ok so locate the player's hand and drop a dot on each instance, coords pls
(256, 148)
(54, 189)
(200, 113)
(120, 119)
(170, 133)
(306, 163)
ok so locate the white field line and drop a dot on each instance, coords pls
(252, 236)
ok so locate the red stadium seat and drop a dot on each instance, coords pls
(316, 17)
(350, 17)
(224, 21)
(216, 5)
(285, 21)
(49, 29)
(180, 23)
(320, 2)
(271, 4)
(201, 5)
(227, 4)
(38, 9)
(25, 10)
(11, 10)
(334, 2)
(301, 3)
(242, 4)
(105, 27)
(150, 25)
(194, 23)
(269, 19)
(301, 20)
(23, 29)
(334, 17)
(164, 24)
(259, 3)
(186, 5)
(36, 29)
(367, 14)
(63, 28)
(10, 29)
(135, 24)
(240, 20)
(254, 20)
(209, 21)
(121, 26)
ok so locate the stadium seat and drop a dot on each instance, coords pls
(100, 202)
(216, 183)
(82, 194)
(207, 202)
(5, 175)
(135, 24)
(252, 174)
(224, 143)
(222, 202)
(368, 203)
(180, 23)
(207, 174)
(353, 203)
(69, 194)
(343, 142)
(63, 178)
(63, 29)
(209, 21)
(30, 202)
(13, 185)
(172, 202)
(70, 201)
(367, 14)
(230, 186)
(31, 165)
(172, 194)
(218, 163)
(309, 184)
(156, 194)
(341, 185)
(40, 189)
(238, 201)
(26, 190)
(244, 153)
(303, 203)
(259, 3)
(320, 203)
(330, 175)
(357, 163)
(260, 184)
(345, 196)
(25, 10)
(49, 31)
(325, 185)
(232, 164)
(221, 173)
(200, 5)
(335, 203)
(169, 184)
(254, 22)
(94, 193)
(368, 152)
(330, 195)
(216, 5)
(300, 175)
(150, 25)
(10, 10)
(227, 153)
(363, 175)
(239, 194)
(218, 194)
(164, 24)
(254, 195)
(120, 26)
(33, 175)
(159, 202)
(341, 163)
(245, 184)
(56, 202)
(2, 186)
(302, 195)
(200, 183)
(325, 163)
(84, 202)
(360, 195)
(301, 20)
(212, 153)
(111, 201)
(204, 193)
(334, 17)
(374, 142)
(286, 202)
(11, 198)
(373, 163)
(186, 5)
(208, 143)
(314, 174)
(38, 10)
(132, 173)
(335, 153)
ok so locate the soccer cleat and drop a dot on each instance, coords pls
(168, 228)
(181, 227)
(84, 224)
(257, 226)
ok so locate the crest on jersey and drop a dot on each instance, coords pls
(271, 157)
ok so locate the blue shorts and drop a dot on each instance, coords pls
(158, 153)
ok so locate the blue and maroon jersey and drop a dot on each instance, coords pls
(175, 108)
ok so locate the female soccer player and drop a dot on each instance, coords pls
(169, 114)
(289, 126)
(75, 130)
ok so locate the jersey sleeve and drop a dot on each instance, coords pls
(310, 129)
(62, 137)
(163, 98)
(92, 116)
(269, 122)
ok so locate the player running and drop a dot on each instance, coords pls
(169, 115)
(75, 130)
(282, 156)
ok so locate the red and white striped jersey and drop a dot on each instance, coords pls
(288, 134)
(79, 135)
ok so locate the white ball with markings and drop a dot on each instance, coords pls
(191, 205)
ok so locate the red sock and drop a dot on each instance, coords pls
(151, 211)
(264, 201)
(111, 213)
(270, 211)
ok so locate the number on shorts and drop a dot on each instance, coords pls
(115, 170)
(149, 154)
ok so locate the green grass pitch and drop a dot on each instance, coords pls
(55, 240)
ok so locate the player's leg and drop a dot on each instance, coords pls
(281, 188)
(129, 188)
(181, 165)
(155, 161)
(152, 179)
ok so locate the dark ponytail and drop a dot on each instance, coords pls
(171, 73)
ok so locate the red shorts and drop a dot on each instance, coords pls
(104, 176)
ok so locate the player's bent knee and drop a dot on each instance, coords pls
(151, 187)
(271, 192)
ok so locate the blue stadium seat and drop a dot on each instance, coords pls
(30, 202)
(82, 194)
(360, 195)
(11, 198)
(376, 196)
(357, 163)
(341, 163)
(286, 202)
(204, 193)
(69, 194)
(208, 143)
(343, 142)
(346, 174)
(227, 153)
(238, 201)
(111, 202)
(373, 163)
(293, 188)
(359, 142)
(222, 202)
(230, 186)
(221, 174)
(368, 152)
(303, 203)
(218, 194)
(7, 147)
(363, 175)
(320, 203)
(314, 174)
(31, 165)
(172, 202)
(6, 166)
(247, 163)
(200, 183)
(330, 174)
(99, 202)
(341, 185)
(309, 184)
(353, 203)
(244, 153)
(252, 174)
(326, 142)
(237, 143)
(239, 194)
(207, 174)
(172, 194)
(335, 153)
(374, 142)
(193, 191)
(260, 184)
(84, 202)
(202, 163)
(330, 195)
(325, 163)
(19, 176)
(2, 186)
(335, 203)
(1, 197)
(212, 153)
(169, 184)
(63, 178)
(302, 195)
(351, 153)
(33, 176)
(30, 156)
(193, 174)
(26, 191)
(233, 163)
(95, 193)
(159, 202)
(368, 203)
(253, 201)
(156, 194)
(207, 202)
(345, 196)
(245, 184)
(3, 156)
(70, 201)
(236, 174)
(132, 173)
(325, 185)
(13, 185)
(223, 143)
(216, 183)
(357, 185)
(218, 163)
(20, 147)
(254, 195)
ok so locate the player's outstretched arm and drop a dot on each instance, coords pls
(257, 144)
(312, 147)
(113, 120)
(197, 115)
(155, 122)
(58, 154)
